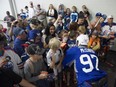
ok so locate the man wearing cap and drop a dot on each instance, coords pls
(109, 37)
(96, 25)
(109, 34)
(109, 31)
(34, 68)
(20, 39)
(25, 56)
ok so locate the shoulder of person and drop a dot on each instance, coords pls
(28, 63)
(114, 23)
(7, 48)
(104, 24)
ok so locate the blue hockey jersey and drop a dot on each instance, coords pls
(85, 64)
(74, 17)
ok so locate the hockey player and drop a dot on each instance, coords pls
(85, 64)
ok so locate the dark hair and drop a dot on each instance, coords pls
(3, 39)
(81, 14)
(72, 34)
(7, 12)
(35, 49)
(73, 26)
(26, 6)
(35, 22)
(47, 30)
(31, 49)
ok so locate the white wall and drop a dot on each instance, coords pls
(4, 6)
(104, 6)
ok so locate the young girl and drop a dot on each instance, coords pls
(59, 24)
(85, 11)
(54, 59)
(74, 14)
(51, 14)
(49, 33)
(71, 42)
(61, 10)
(67, 19)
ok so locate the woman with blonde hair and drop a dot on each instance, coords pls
(52, 13)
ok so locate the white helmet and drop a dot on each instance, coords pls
(82, 40)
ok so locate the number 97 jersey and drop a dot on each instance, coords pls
(85, 64)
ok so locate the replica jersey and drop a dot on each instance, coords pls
(85, 64)
(74, 16)
(23, 15)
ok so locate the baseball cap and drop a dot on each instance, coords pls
(82, 39)
(26, 44)
(35, 21)
(98, 14)
(104, 16)
(21, 31)
(18, 31)
(35, 49)
(110, 16)
(38, 4)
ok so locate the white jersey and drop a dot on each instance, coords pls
(58, 55)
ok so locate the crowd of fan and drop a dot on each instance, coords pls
(40, 40)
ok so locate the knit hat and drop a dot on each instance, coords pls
(35, 49)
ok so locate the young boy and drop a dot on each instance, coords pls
(54, 59)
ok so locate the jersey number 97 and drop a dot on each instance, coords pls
(89, 62)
